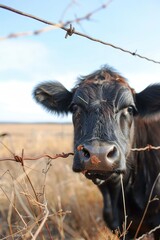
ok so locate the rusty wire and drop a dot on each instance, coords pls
(70, 31)
(21, 158)
(148, 147)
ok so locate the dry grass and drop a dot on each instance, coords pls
(45, 199)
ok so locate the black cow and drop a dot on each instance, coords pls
(110, 119)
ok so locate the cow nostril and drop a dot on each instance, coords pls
(83, 151)
(86, 153)
(112, 153)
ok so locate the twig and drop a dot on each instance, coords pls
(21, 159)
(124, 208)
(46, 211)
(14, 234)
(36, 197)
(146, 208)
(88, 15)
(68, 30)
(66, 9)
(9, 216)
(11, 203)
(150, 232)
(22, 203)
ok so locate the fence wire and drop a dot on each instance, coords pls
(70, 31)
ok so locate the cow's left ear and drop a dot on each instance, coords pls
(53, 96)
(148, 101)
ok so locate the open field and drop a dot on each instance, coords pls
(44, 199)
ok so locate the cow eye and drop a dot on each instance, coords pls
(130, 109)
(74, 108)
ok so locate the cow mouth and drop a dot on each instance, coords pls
(98, 177)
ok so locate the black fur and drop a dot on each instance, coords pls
(108, 112)
(148, 101)
(53, 96)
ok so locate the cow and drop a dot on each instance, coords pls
(111, 120)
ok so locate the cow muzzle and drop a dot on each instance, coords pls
(100, 159)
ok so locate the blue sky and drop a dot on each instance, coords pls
(26, 61)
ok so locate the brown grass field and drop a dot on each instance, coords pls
(44, 199)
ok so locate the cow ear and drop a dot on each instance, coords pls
(148, 101)
(53, 96)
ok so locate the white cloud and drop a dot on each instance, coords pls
(31, 60)
(23, 64)
(140, 81)
(17, 104)
(21, 55)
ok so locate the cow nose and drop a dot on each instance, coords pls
(99, 156)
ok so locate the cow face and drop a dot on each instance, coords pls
(103, 107)
(103, 126)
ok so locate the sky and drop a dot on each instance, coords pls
(26, 61)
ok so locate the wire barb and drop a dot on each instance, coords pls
(70, 31)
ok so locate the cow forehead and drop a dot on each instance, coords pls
(103, 84)
(105, 74)
(96, 93)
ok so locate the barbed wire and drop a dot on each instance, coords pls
(148, 147)
(69, 31)
(55, 25)
(21, 158)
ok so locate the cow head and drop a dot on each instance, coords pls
(103, 107)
